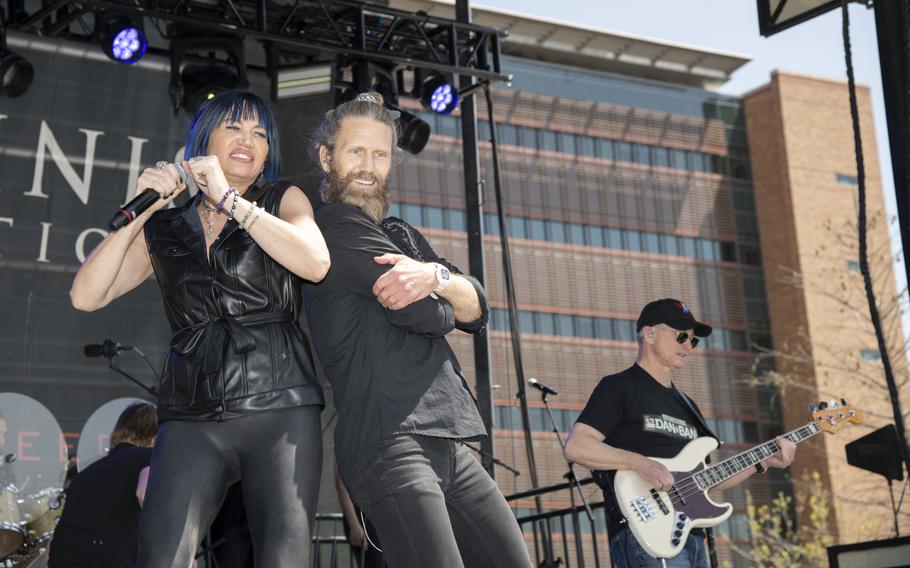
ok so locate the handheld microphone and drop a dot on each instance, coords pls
(109, 348)
(542, 387)
(126, 214)
(7, 458)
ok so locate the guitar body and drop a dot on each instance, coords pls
(661, 520)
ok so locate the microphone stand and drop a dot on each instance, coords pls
(112, 360)
(494, 459)
(573, 482)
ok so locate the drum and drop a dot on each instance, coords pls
(11, 526)
(41, 513)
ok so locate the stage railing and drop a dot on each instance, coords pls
(576, 541)
(330, 547)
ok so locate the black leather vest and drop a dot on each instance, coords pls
(237, 348)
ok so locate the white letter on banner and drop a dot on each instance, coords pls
(46, 140)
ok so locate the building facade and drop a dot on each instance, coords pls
(805, 178)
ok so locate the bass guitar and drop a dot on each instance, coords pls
(661, 520)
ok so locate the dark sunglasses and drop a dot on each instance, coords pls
(682, 337)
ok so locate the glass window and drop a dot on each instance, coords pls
(545, 323)
(527, 137)
(564, 325)
(434, 217)
(623, 151)
(490, 224)
(668, 244)
(412, 214)
(662, 157)
(738, 340)
(584, 327)
(548, 140)
(728, 251)
(526, 321)
(718, 164)
(585, 146)
(625, 330)
(537, 229)
(642, 153)
(845, 179)
(395, 210)
(517, 227)
(651, 242)
(603, 328)
(508, 134)
(538, 419)
(556, 231)
(576, 234)
(870, 355)
(605, 149)
(708, 250)
(853, 265)
(456, 220)
(483, 131)
(614, 238)
(567, 143)
(448, 125)
(594, 235)
(689, 247)
(678, 159)
(632, 240)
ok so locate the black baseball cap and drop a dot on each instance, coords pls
(673, 313)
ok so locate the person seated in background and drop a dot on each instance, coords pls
(99, 527)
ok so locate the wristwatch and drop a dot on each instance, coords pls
(443, 278)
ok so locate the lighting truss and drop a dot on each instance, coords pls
(375, 33)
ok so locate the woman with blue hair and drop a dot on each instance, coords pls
(238, 396)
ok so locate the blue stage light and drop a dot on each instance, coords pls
(439, 95)
(123, 40)
(128, 46)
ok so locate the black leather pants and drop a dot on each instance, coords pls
(277, 457)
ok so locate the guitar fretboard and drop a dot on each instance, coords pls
(722, 471)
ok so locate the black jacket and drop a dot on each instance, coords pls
(237, 348)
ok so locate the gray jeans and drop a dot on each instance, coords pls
(434, 505)
(277, 457)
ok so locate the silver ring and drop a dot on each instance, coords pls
(161, 165)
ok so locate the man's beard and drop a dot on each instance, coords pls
(374, 201)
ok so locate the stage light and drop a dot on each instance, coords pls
(438, 94)
(16, 73)
(202, 81)
(122, 39)
(218, 65)
(414, 132)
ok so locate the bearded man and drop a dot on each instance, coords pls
(379, 320)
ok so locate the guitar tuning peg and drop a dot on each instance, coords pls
(823, 405)
(812, 407)
(843, 402)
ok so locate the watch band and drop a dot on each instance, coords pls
(443, 278)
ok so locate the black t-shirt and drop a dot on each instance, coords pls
(636, 413)
(99, 527)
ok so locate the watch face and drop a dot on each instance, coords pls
(444, 273)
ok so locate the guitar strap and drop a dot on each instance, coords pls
(695, 413)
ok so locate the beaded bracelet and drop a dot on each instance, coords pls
(224, 197)
(233, 207)
(247, 216)
(256, 218)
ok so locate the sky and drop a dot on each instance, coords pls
(813, 48)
